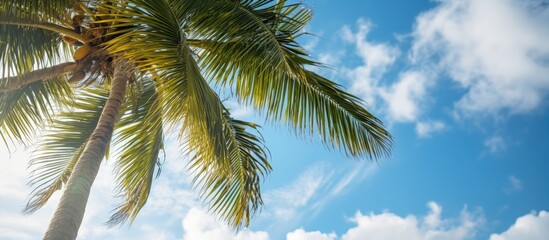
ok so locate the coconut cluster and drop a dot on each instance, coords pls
(91, 59)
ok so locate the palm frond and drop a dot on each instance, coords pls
(251, 46)
(25, 110)
(235, 196)
(186, 95)
(46, 10)
(139, 140)
(25, 49)
(224, 157)
(61, 147)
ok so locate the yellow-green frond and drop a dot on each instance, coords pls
(24, 111)
(44, 10)
(235, 195)
(255, 52)
(60, 147)
(138, 140)
(23, 50)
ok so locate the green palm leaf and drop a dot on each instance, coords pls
(251, 47)
(223, 156)
(25, 49)
(180, 49)
(22, 48)
(61, 146)
(43, 10)
(236, 196)
(186, 95)
(139, 140)
(24, 110)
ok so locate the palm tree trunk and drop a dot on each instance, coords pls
(14, 83)
(70, 211)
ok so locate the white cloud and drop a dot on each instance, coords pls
(13, 174)
(432, 220)
(198, 224)
(403, 98)
(300, 234)
(426, 129)
(13, 192)
(495, 49)
(376, 59)
(13, 197)
(171, 203)
(391, 226)
(530, 226)
(495, 144)
(400, 101)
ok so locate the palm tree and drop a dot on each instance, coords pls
(84, 70)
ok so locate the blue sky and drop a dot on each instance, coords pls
(461, 84)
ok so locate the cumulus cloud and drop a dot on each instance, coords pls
(391, 226)
(530, 226)
(169, 199)
(496, 50)
(427, 128)
(388, 226)
(300, 234)
(376, 59)
(13, 197)
(198, 224)
(401, 100)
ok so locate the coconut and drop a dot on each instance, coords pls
(81, 52)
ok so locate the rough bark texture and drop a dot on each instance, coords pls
(13, 83)
(70, 211)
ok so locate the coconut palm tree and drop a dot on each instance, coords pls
(85, 70)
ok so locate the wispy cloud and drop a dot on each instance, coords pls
(307, 195)
(495, 144)
(515, 185)
(427, 128)
(284, 203)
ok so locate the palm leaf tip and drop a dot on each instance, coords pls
(139, 140)
(235, 195)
